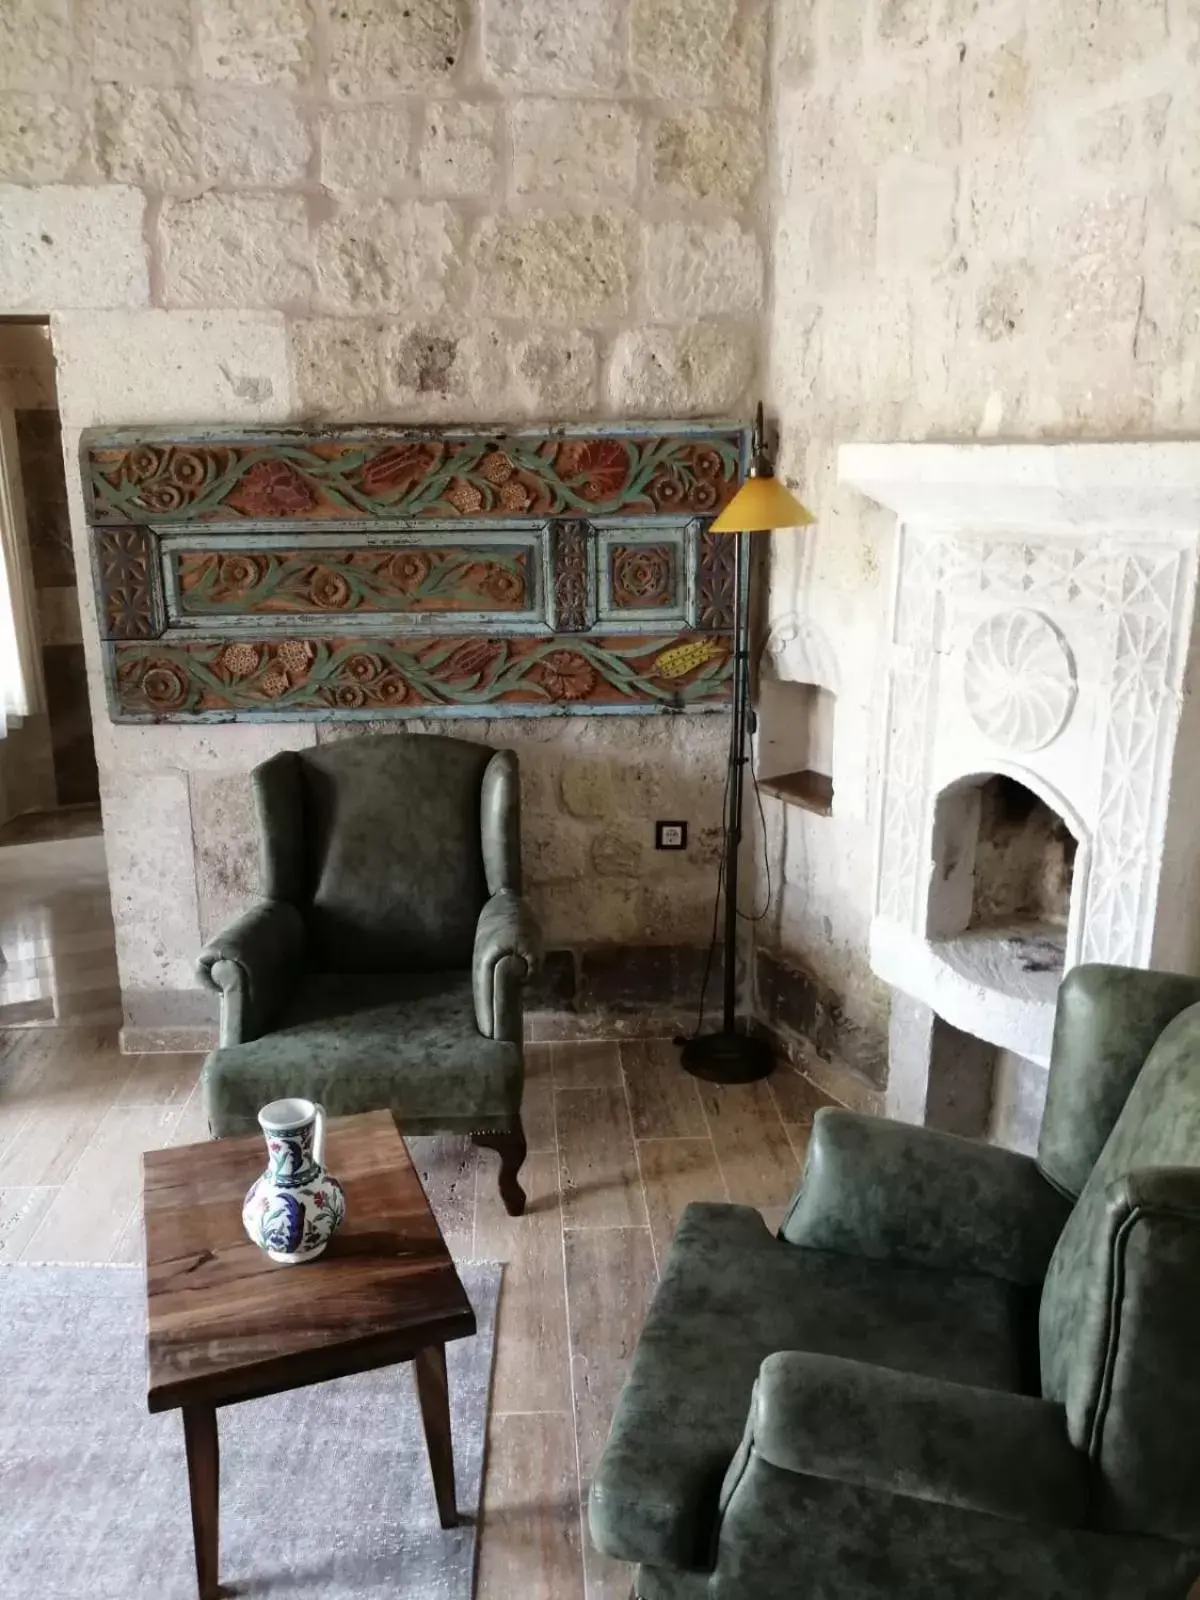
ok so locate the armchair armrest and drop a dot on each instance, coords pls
(506, 955)
(887, 1190)
(248, 964)
(898, 1433)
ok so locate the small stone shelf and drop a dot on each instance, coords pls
(813, 791)
(794, 755)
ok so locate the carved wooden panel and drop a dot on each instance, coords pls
(714, 580)
(390, 573)
(127, 584)
(573, 606)
(241, 582)
(641, 576)
(284, 475)
(370, 674)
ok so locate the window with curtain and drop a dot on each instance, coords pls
(20, 678)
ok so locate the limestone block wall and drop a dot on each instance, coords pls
(986, 223)
(273, 210)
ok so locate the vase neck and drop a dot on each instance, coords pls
(289, 1155)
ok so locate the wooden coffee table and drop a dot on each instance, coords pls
(224, 1323)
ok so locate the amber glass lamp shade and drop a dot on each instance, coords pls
(761, 504)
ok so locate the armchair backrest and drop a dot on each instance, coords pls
(1120, 1312)
(389, 845)
(1106, 1023)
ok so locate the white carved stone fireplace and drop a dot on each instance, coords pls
(1039, 782)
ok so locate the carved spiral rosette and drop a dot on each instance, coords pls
(1019, 679)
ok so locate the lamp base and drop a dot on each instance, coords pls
(727, 1058)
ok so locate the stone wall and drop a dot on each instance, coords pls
(985, 225)
(274, 210)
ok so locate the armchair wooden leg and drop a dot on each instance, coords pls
(510, 1147)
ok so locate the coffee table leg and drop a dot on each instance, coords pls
(429, 1365)
(204, 1477)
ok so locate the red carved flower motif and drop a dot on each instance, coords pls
(500, 585)
(409, 569)
(328, 589)
(514, 496)
(465, 497)
(475, 656)
(186, 468)
(164, 686)
(144, 462)
(390, 690)
(160, 496)
(240, 572)
(240, 660)
(294, 655)
(566, 675)
(363, 667)
(597, 469)
(273, 489)
(400, 466)
(666, 491)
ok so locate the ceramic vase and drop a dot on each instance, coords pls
(292, 1210)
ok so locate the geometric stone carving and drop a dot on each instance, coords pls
(1042, 626)
(1019, 679)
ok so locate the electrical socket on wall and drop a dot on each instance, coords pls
(670, 835)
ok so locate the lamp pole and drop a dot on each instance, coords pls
(732, 1055)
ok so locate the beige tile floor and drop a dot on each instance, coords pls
(620, 1140)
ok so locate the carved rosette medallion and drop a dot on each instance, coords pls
(642, 575)
(1019, 679)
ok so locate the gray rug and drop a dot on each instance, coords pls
(325, 1492)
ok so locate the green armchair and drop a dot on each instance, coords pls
(957, 1370)
(383, 966)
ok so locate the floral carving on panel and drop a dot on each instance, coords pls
(642, 575)
(349, 476)
(439, 578)
(373, 674)
(386, 572)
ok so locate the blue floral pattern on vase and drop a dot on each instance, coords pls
(293, 1209)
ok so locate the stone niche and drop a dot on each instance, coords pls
(1039, 787)
(1003, 863)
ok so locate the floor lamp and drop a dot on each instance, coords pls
(760, 505)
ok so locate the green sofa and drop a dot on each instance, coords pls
(383, 966)
(957, 1371)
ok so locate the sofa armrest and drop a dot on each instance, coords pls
(885, 1190)
(249, 965)
(899, 1433)
(506, 955)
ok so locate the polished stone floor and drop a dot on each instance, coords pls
(620, 1140)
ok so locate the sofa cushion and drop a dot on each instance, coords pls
(730, 1296)
(407, 1043)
